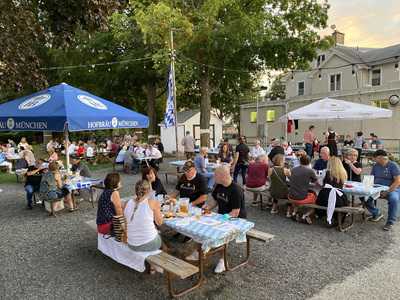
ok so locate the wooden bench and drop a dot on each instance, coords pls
(171, 265)
(259, 194)
(260, 235)
(341, 212)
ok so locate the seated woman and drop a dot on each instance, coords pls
(300, 179)
(109, 204)
(352, 166)
(53, 156)
(150, 174)
(225, 154)
(257, 176)
(335, 177)
(53, 188)
(142, 214)
(278, 184)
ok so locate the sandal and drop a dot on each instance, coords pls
(307, 220)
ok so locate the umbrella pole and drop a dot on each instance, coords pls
(66, 137)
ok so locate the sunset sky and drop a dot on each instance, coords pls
(366, 23)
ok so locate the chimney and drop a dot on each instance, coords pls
(338, 37)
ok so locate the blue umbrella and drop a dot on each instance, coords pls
(64, 107)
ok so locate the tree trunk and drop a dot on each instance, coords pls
(151, 93)
(205, 110)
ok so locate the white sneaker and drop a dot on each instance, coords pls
(194, 256)
(220, 266)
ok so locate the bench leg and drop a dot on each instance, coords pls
(242, 263)
(341, 228)
(173, 293)
(92, 196)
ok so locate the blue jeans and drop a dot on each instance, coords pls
(393, 199)
(309, 150)
(243, 170)
(210, 179)
(29, 194)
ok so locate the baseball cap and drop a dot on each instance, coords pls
(380, 152)
(188, 165)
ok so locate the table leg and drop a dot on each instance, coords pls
(175, 294)
(244, 262)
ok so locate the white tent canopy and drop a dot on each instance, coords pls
(328, 109)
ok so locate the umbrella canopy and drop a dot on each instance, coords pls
(328, 109)
(64, 107)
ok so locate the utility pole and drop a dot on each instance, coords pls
(173, 56)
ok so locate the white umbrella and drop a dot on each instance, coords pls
(328, 109)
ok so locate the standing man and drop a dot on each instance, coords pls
(309, 138)
(386, 173)
(188, 143)
(229, 198)
(241, 160)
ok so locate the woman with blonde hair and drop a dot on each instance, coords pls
(331, 195)
(278, 185)
(142, 214)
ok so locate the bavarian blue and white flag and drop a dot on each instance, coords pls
(169, 117)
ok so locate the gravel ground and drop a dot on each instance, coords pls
(57, 258)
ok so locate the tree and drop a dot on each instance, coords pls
(277, 90)
(30, 27)
(222, 35)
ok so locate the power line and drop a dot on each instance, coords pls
(96, 64)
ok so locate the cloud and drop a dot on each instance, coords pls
(366, 23)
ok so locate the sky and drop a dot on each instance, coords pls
(366, 23)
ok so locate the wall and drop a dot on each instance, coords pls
(168, 134)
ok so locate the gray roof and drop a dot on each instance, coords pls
(183, 116)
(370, 56)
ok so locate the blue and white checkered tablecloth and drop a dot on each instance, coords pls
(358, 189)
(211, 235)
(180, 163)
(83, 183)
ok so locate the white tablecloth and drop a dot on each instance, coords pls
(122, 254)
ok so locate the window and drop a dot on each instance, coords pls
(376, 77)
(335, 83)
(320, 59)
(253, 117)
(270, 115)
(381, 103)
(300, 88)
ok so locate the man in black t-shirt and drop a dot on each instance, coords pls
(241, 160)
(32, 182)
(192, 185)
(229, 198)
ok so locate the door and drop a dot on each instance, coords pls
(196, 135)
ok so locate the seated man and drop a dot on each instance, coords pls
(229, 198)
(257, 150)
(32, 182)
(386, 173)
(201, 167)
(153, 152)
(322, 163)
(191, 185)
(80, 167)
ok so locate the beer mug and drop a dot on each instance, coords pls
(184, 205)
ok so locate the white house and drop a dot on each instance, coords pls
(361, 75)
(190, 121)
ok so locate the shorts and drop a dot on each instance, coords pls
(153, 245)
(309, 199)
(53, 195)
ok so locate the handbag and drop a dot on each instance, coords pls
(119, 228)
